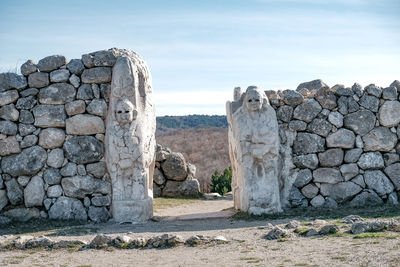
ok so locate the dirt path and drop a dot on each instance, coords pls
(246, 244)
(219, 208)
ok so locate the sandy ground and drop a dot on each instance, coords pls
(246, 246)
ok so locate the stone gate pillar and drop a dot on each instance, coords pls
(130, 139)
(254, 152)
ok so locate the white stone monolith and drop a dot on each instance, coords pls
(254, 152)
(130, 139)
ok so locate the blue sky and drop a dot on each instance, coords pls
(198, 51)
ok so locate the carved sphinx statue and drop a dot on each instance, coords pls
(254, 152)
(130, 141)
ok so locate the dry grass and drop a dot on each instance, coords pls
(207, 148)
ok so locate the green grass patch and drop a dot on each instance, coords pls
(161, 203)
(369, 235)
(301, 231)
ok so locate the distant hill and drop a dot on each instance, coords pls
(166, 123)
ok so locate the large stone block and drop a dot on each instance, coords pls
(97, 107)
(97, 169)
(284, 113)
(331, 157)
(369, 102)
(80, 186)
(29, 162)
(75, 66)
(320, 127)
(389, 113)
(366, 198)
(158, 177)
(22, 214)
(361, 122)
(292, 98)
(307, 143)
(50, 63)
(303, 177)
(187, 188)
(378, 181)
(98, 214)
(26, 102)
(9, 146)
(57, 93)
(59, 76)
(343, 138)
(174, 167)
(307, 111)
(314, 85)
(49, 116)
(51, 138)
(8, 128)
(379, 139)
(9, 112)
(8, 97)
(15, 193)
(83, 149)
(67, 208)
(327, 175)
(34, 192)
(96, 75)
(306, 161)
(371, 160)
(10, 80)
(326, 98)
(393, 171)
(38, 79)
(28, 67)
(84, 124)
(340, 192)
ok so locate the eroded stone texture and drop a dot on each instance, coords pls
(389, 113)
(10, 80)
(29, 162)
(377, 181)
(254, 152)
(57, 93)
(307, 143)
(361, 122)
(130, 134)
(340, 192)
(50, 138)
(343, 138)
(80, 186)
(50, 63)
(83, 149)
(84, 124)
(67, 208)
(34, 192)
(307, 111)
(49, 116)
(380, 139)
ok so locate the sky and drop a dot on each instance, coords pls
(198, 51)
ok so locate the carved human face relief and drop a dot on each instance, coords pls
(253, 100)
(125, 112)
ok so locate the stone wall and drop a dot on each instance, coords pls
(343, 142)
(173, 176)
(52, 138)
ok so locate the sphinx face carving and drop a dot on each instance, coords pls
(125, 112)
(254, 100)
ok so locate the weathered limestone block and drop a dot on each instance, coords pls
(307, 111)
(98, 214)
(377, 181)
(303, 177)
(49, 116)
(57, 93)
(15, 193)
(50, 63)
(34, 192)
(254, 151)
(158, 177)
(174, 167)
(97, 169)
(8, 97)
(389, 113)
(327, 175)
(371, 160)
(96, 75)
(320, 127)
(85, 92)
(50, 138)
(29, 162)
(9, 146)
(97, 107)
(306, 161)
(340, 192)
(130, 136)
(307, 143)
(80, 186)
(314, 85)
(331, 157)
(9, 112)
(75, 107)
(75, 66)
(28, 67)
(343, 138)
(67, 208)
(38, 79)
(22, 214)
(369, 102)
(10, 80)
(59, 76)
(361, 122)
(393, 171)
(26, 102)
(52, 176)
(55, 158)
(187, 188)
(379, 139)
(366, 198)
(84, 124)
(83, 149)
(292, 98)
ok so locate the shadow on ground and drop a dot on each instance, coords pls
(239, 220)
